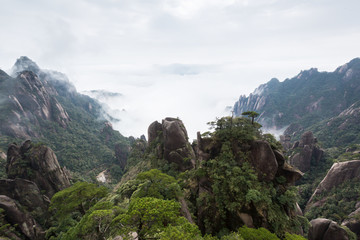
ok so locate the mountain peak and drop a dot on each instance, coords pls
(24, 63)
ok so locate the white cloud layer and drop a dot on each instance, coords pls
(185, 58)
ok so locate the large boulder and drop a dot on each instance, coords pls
(307, 152)
(37, 163)
(325, 229)
(353, 221)
(338, 174)
(263, 160)
(21, 219)
(26, 193)
(170, 141)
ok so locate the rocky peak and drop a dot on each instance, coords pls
(171, 142)
(24, 63)
(28, 99)
(36, 163)
(306, 152)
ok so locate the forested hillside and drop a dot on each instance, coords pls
(44, 106)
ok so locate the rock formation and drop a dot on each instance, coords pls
(28, 101)
(325, 229)
(338, 174)
(38, 164)
(308, 152)
(171, 140)
(34, 176)
(353, 222)
(20, 218)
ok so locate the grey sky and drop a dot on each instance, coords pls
(188, 58)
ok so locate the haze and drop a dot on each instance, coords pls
(188, 59)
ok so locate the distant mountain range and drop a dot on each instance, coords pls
(326, 101)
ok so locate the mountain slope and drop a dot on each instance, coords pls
(307, 98)
(312, 100)
(43, 105)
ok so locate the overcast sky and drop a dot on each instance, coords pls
(182, 58)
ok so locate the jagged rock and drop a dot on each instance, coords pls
(290, 173)
(173, 142)
(38, 164)
(263, 160)
(285, 141)
(26, 193)
(154, 131)
(24, 221)
(338, 174)
(279, 158)
(353, 221)
(121, 153)
(309, 153)
(325, 229)
(29, 101)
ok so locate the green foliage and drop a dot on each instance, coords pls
(156, 184)
(185, 230)
(340, 202)
(251, 114)
(148, 216)
(79, 197)
(228, 128)
(351, 234)
(256, 234)
(289, 236)
(6, 229)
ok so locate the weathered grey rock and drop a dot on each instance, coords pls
(246, 219)
(25, 192)
(279, 157)
(38, 164)
(173, 143)
(154, 130)
(325, 229)
(309, 153)
(26, 223)
(338, 174)
(290, 173)
(353, 222)
(263, 160)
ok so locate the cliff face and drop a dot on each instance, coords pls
(43, 105)
(34, 176)
(26, 101)
(305, 99)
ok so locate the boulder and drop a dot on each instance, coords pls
(25, 192)
(325, 229)
(173, 143)
(338, 174)
(290, 173)
(154, 130)
(38, 164)
(24, 221)
(308, 152)
(353, 222)
(263, 160)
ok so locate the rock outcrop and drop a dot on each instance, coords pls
(171, 140)
(29, 101)
(23, 220)
(308, 152)
(34, 176)
(263, 160)
(325, 229)
(339, 173)
(38, 164)
(353, 222)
